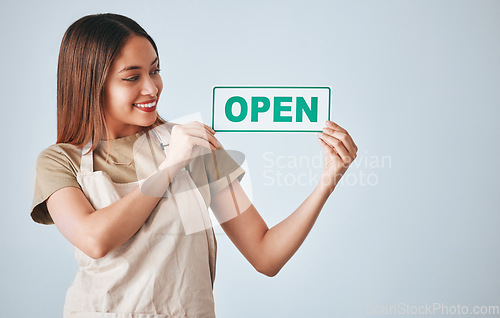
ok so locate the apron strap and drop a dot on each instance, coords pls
(161, 132)
(87, 163)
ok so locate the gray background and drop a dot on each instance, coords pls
(414, 82)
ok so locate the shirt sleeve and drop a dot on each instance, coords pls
(222, 169)
(213, 171)
(53, 172)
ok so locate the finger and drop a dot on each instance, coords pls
(345, 138)
(337, 144)
(202, 127)
(328, 149)
(209, 128)
(213, 141)
(199, 130)
(209, 138)
(203, 133)
(332, 125)
(335, 126)
(200, 124)
(202, 142)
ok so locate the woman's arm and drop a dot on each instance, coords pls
(266, 249)
(97, 232)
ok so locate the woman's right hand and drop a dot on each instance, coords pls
(184, 139)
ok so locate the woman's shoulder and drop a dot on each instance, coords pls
(60, 154)
(61, 150)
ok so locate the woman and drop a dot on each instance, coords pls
(143, 242)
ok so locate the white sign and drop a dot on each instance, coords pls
(270, 109)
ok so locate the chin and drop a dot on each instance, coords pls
(148, 122)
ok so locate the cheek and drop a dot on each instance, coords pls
(159, 84)
(119, 96)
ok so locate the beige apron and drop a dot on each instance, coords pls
(166, 269)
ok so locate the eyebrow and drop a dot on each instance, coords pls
(134, 67)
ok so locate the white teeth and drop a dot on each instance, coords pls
(146, 105)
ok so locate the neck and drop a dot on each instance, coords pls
(124, 132)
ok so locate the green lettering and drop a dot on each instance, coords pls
(311, 113)
(266, 104)
(229, 108)
(278, 108)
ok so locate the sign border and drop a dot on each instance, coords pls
(286, 87)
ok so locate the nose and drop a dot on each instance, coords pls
(149, 87)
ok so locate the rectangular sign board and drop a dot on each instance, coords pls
(270, 108)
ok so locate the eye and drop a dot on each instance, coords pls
(155, 72)
(130, 79)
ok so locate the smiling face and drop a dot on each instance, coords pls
(132, 89)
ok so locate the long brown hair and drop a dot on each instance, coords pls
(88, 48)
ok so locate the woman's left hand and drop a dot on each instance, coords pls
(340, 152)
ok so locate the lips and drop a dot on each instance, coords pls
(147, 106)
